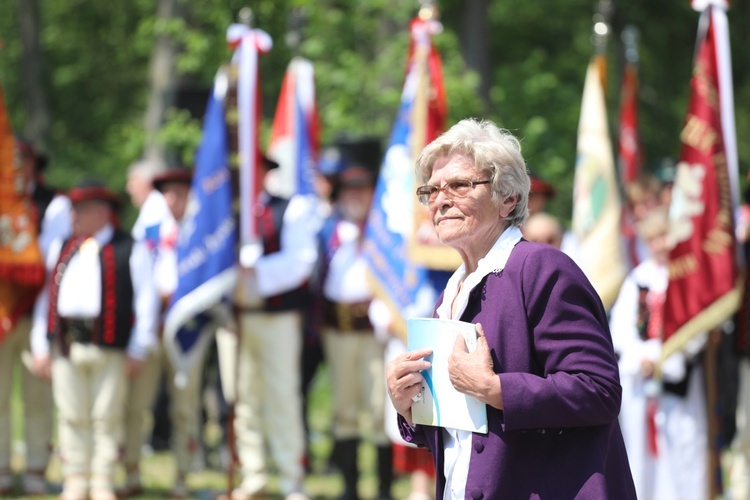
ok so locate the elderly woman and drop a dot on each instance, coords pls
(544, 362)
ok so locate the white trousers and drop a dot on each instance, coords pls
(269, 399)
(36, 395)
(90, 390)
(141, 394)
(184, 409)
(357, 367)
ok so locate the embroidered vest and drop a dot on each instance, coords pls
(116, 320)
(270, 223)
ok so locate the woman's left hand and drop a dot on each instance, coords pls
(471, 372)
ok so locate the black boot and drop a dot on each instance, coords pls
(385, 472)
(345, 458)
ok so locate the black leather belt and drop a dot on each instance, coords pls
(79, 330)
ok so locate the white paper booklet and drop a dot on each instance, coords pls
(438, 402)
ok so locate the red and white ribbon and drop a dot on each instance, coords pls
(248, 44)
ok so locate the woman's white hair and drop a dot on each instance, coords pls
(495, 151)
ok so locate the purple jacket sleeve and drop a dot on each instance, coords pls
(576, 382)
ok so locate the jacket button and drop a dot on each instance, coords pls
(479, 447)
(477, 494)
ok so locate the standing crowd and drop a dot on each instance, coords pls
(573, 409)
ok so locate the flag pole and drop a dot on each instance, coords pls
(245, 17)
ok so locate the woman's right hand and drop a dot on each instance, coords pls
(403, 376)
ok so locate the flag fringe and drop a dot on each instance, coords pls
(708, 319)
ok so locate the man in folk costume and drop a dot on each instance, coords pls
(171, 185)
(272, 293)
(184, 400)
(664, 422)
(50, 214)
(153, 220)
(93, 326)
(355, 356)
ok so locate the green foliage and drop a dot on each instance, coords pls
(96, 65)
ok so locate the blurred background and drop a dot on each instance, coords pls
(94, 83)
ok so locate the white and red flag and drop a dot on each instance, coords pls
(295, 134)
(248, 44)
(703, 286)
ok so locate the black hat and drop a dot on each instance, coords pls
(365, 152)
(173, 174)
(359, 163)
(90, 189)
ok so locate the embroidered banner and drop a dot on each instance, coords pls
(206, 248)
(21, 266)
(703, 272)
(399, 263)
(596, 197)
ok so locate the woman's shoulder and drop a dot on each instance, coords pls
(540, 255)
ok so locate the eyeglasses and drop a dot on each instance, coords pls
(454, 189)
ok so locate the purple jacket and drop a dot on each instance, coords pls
(558, 436)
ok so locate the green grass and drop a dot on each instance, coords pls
(158, 470)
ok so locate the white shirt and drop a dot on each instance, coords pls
(165, 257)
(56, 223)
(456, 443)
(292, 265)
(80, 293)
(152, 213)
(346, 281)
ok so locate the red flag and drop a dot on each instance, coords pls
(629, 144)
(703, 268)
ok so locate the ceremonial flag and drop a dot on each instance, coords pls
(206, 254)
(21, 265)
(629, 143)
(596, 198)
(248, 44)
(703, 286)
(397, 278)
(294, 137)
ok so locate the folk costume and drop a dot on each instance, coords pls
(268, 407)
(157, 227)
(356, 358)
(664, 423)
(99, 305)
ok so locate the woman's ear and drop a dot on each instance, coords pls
(508, 205)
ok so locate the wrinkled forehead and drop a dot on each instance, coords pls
(454, 166)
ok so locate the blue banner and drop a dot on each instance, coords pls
(408, 289)
(206, 249)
